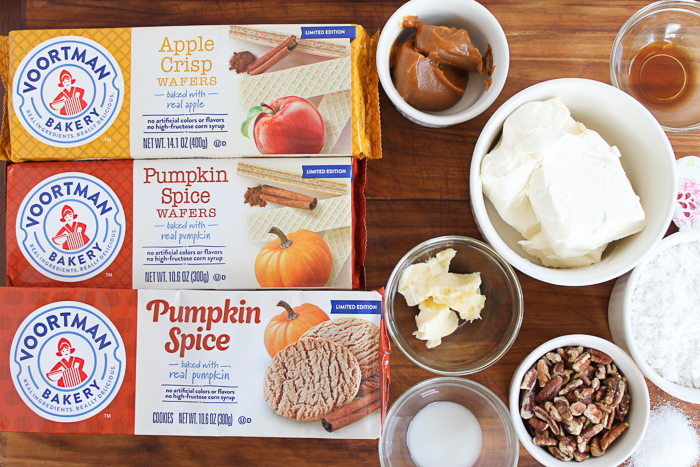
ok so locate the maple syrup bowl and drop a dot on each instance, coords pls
(655, 59)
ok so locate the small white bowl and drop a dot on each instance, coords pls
(620, 323)
(647, 157)
(483, 29)
(638, 416)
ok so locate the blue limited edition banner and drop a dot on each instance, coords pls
(327, 171)
(328, 32)
(356, 306)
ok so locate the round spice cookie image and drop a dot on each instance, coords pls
(310, 378)
(359, 336)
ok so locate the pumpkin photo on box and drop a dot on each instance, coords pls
(297, 259)
(287, 327)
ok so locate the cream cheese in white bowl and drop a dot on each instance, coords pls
(571, 197)
(646, 157)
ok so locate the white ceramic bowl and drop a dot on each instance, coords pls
(647, 157)
(483, 29)
(620, 324)
(638, 416)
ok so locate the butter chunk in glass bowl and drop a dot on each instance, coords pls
(472, 346)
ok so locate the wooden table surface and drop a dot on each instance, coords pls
(419, 190)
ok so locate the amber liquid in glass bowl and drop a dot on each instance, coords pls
(662, 76)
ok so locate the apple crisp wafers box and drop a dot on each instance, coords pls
(187, 223)
(204, 363)
(189, 91)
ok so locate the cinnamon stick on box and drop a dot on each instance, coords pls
(279, 196)
(352, 412)
(272, 57)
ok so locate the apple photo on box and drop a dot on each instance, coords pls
(288, 125)
(280, 119)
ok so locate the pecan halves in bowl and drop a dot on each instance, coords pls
(549, 390)
(579, 395)
(607, 439)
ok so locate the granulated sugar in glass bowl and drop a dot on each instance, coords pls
(665, 317)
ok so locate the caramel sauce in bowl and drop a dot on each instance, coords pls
(483, 30)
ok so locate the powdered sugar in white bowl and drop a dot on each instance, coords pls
(654, 315)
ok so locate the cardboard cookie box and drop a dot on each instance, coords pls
(186, 223)
(190, 91)
(208, 363)
(110, 359)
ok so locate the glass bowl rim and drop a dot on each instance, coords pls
(633, 20)
(490, 396)
(515, 290)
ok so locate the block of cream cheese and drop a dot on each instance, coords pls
(186, 223)
(560, 185)
(168, 362)
(190, 91)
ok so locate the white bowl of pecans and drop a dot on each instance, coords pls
(579, 398)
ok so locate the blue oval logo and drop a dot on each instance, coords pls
(67, 91)
(70, 226)
(68, 361)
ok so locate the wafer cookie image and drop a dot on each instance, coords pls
(291, 179)
(331, 213)
(272, 39)
(303, 81)
(336, 109)
(340, 243)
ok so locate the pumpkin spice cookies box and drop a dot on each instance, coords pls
(189, 91)
(201, 363)
(187, 223)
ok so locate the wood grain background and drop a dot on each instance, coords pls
(419, 190)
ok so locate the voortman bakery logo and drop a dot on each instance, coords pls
(68, 361)
(70, 227)
(67, 91)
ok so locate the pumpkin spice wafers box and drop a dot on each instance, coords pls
(189, 91)
(274, 363)
(187, 223)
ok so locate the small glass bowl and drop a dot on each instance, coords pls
(674, 26)
(473, 346)
(500, 443)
